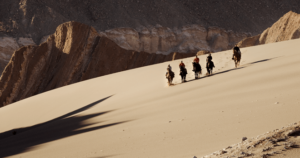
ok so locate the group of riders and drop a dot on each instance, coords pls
(197, 67)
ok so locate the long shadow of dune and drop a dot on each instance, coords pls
(30, 138)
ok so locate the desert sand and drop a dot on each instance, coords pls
(135, 114)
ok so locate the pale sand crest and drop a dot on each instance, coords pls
(134, 114)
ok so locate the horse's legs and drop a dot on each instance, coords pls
(234, 62)
(208, 70)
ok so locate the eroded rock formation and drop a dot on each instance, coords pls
(75, 52)
(159, 40)
(286, 28)
(163, 40)
(7, 47)
(38, 18)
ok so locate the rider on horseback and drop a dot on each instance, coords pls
(183, 71)
(209, 64)
(236, 55)
(196, 67)
(236, 49)
(170, 75)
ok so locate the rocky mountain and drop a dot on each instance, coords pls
(38, 18)
(153, 26)
(286, 28)
(75, 52)
(163, 40)
(157, 27)
(8, 45)
(159, 40)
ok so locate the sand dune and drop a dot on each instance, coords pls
(134, 114)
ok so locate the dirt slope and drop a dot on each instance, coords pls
(75, 52)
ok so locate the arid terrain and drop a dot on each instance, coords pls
(134, 113)
(74, 53)
(77, 52)
(87, 79)
(151, 26)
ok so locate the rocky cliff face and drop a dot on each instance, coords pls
(163, 40)
(159, 40)
(153, 26)
(286, 28)
(75, 52)
(37, 18)
(7, 47)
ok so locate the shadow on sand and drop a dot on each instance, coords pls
(218, 73)
(20, 140)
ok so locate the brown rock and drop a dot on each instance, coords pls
(75, 52)
(286, 28)
(248, 42)
(203, 52)
(189, 38)
(7, 47)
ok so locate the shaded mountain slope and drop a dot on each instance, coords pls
(133, 24)
(37, 18)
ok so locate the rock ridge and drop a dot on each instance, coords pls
(286, 28)
(74, 53)
(164, 40)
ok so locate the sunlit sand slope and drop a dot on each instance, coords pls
(134, 114)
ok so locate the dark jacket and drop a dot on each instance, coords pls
(237, 49)
(209, 58)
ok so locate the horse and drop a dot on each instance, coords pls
(209, 66)
(197, 69)
(236, 57)
(183, 73)
(170, 75)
